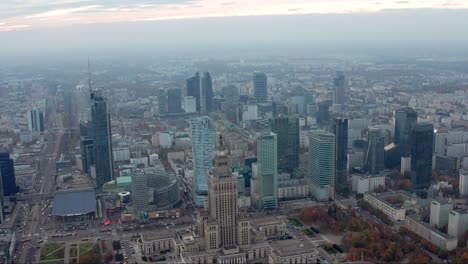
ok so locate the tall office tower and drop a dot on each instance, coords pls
(322, 164)
(340, 130)
(405, 119)
(102, 140)
(339, 88)
(231, 102)
(7, 175)
(300, 101)
(440, 213)
(260, 87)
(202, 149)
(422, 147)
(162, 102)
(222, 197)
(265, 172)
(287, 131)
(35, 120)
(279, 109)
(323, 113)
(207, 93)
(463, 183)
(375, 151)
(174, 101)
(87, 154)
(194, 89)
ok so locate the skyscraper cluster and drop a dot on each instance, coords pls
(201, 87)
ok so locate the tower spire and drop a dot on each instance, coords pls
(220, 127)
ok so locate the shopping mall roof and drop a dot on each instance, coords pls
(72, 203)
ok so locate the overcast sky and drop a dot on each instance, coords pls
(37, 26)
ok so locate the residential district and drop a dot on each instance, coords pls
(276, 160)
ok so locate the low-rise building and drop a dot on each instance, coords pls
(433, 235)
(292, 251)
(367, 183)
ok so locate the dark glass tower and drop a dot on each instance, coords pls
(340, 130)
(375, 151)
(193, 88)
(231, 102)
(339, 88)
(7, 173)
(260, 86)
(405, 119)
(207, 89)
(102, 140)
(174, 101)
(323, 113)
(422, 147)
(287, 130)
(162, 102)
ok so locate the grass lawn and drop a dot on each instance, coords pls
(73, 251)
(85, 247)
(308, 232)
(52, 251)
(329, 250)
(295, 222)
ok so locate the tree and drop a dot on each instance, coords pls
(116, 245)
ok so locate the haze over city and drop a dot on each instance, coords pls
(234, 131)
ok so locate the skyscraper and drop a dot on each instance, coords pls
(194, 89)
(287, 131)
(162, 102)
(231, 102)
(339, 88)
(323, 113)
(322, 164)
(7, 175)
(202, 148)
(207, 93)
(260, 87)
(223, 194)
(405, 119)
(375, 151)
(102, 140)
(35, 120)
(174, 101)
(265, 172)
(340, 130)
(422, 147)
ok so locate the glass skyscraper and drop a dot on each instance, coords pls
(375, 151)
(422, 148)
(193, 88)
(339, 88)
(322, 164)
(287, 131)
(207, 93)
(260, 86)
(202, 148)
(405, 119)
(265, 173)
(7, 175)
(102, 140)
(340, 130)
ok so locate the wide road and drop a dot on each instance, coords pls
(44, 183)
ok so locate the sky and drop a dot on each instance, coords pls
(37, 26)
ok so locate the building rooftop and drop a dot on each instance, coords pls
(70, 203)
(124, 181)
(291, 247)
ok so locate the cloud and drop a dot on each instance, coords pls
(12, 28)
(61, 12)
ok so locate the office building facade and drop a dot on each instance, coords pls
(265, 172)
(405, 119)
(440, 213)
(375, 151)
(322, 164)
(35, 120)
(202, 149)
(287, 132)
(194, 89)
(422, 145)
(7, 175)
(260, 85)
(102, 140)
(339, 88)
(340, 130)
(231, 103)
(174, 101)
(207, 93)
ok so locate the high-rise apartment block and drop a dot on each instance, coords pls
(440, 213)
